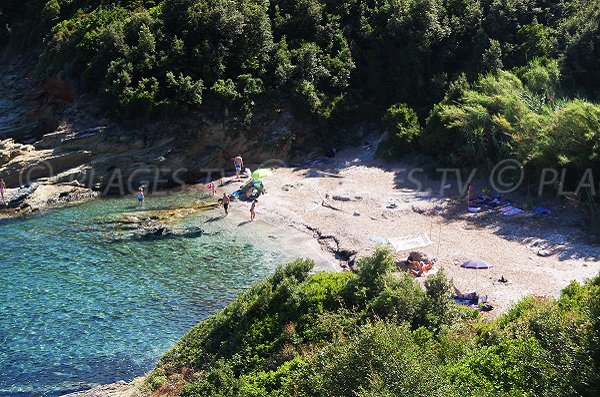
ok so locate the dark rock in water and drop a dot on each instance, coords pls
(161, 231)
(150, 233)
(191, 233)
(17, 200)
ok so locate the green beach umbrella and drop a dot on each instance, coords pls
(261, 173)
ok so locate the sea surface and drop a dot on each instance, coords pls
(81, 304)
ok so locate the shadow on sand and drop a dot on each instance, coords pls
(563, 232)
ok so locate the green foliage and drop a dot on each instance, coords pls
(440, 309)
(541, 76)
(517, 116)
(271, 383)
(383, 359)
(492, 57)
(219, 381)
(402, 125)
(375, 333)
(472, 129)
(536, 40)
(400, 300)
(187, 92)
(328, 61)
(512, 367)
(372, 277)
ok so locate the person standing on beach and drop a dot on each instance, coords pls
(253, 209)
(238, 163)
(226, 201)
(140, 197)
(212, 187)
(2, 190)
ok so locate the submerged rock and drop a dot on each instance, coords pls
(153, 233)
(162, 231)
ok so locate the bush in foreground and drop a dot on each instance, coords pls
(377, 333)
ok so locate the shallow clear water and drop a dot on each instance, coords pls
(78, 308)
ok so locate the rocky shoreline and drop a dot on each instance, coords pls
(40, 197)
(117, 389)
(56, 149)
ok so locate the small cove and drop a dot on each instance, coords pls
(79, 307)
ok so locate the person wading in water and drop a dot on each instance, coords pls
(226, 201)
(253, 209)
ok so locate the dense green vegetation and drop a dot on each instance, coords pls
(376, 334)
(467, 82)
(328, 59)
(510, 115)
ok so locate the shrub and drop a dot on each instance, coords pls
(373, 274)
(187, 92)
(400, 300)
(402, 125)
(438, 308)
(309, 336)
(219, 381)
(382, 358)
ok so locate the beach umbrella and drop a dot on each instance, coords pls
(476, 264)
(261, 173)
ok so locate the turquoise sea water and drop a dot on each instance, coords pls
(78, 308)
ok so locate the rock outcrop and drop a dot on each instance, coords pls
(49, 136)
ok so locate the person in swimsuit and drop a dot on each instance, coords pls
(140, 197)
(253, 209)
(226, 201)
(417, 268)
(212, 187)
(238, 163)
(2, 190)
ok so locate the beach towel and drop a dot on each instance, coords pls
(541, 211)
(378, 239)
(490, 202)
(510, 211)
(409, 242)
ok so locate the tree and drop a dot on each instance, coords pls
(402, 125)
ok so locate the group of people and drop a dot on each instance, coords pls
(238, 163)
(418, 263)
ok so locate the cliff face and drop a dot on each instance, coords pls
(52, 136)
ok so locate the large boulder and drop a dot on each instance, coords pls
(18, 199)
